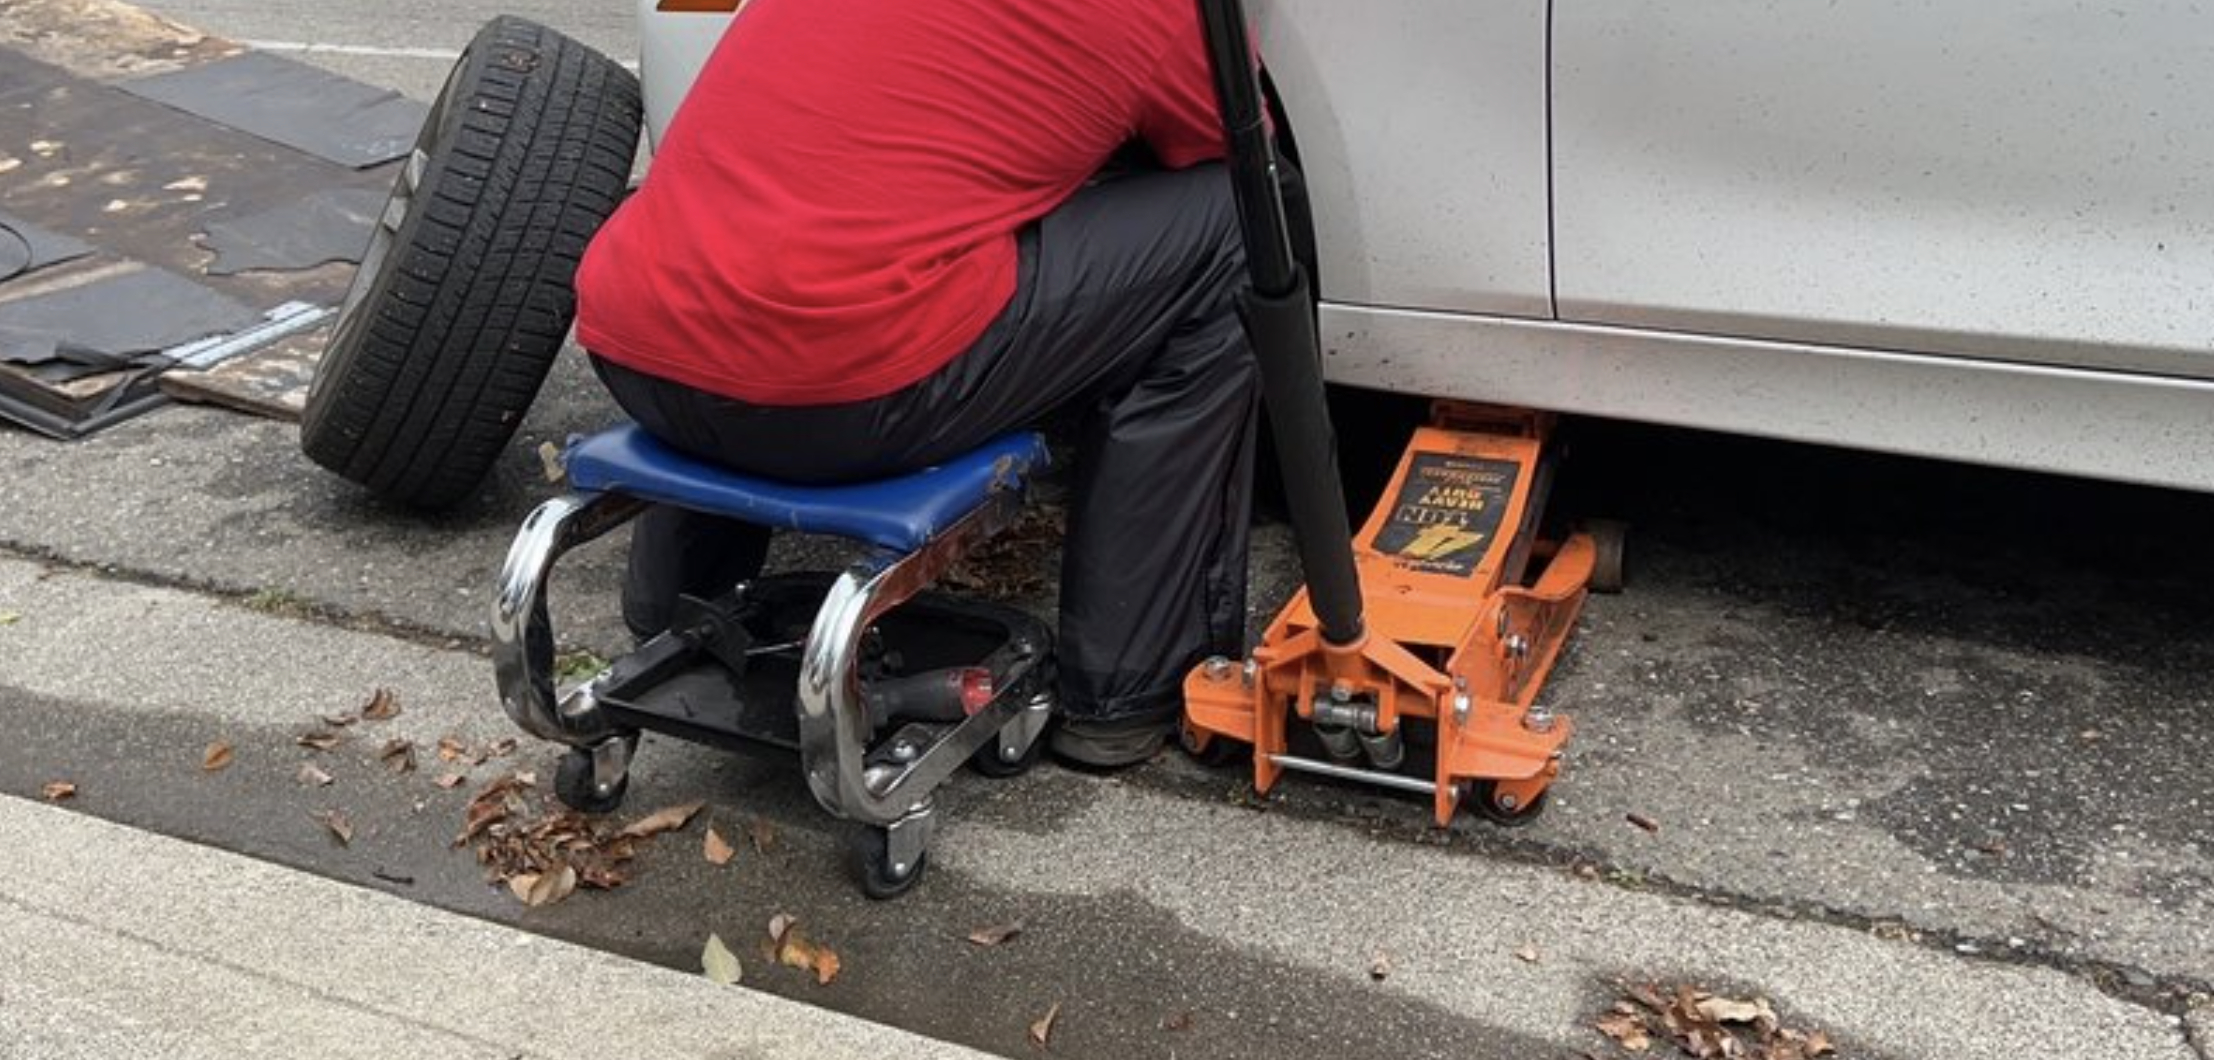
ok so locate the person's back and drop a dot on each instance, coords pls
(831, 214)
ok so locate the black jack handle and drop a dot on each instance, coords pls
(1279, 319)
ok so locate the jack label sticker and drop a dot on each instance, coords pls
(1447, 513)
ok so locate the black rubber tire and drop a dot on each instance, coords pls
(464, 295)
(573, 785)
(1479, 797)
(872, 866)
(986, 762)
(1611, 539)
(1211, 751)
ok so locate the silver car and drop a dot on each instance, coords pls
(1980, 232)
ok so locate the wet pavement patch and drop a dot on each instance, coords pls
(1129, 980)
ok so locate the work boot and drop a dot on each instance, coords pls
(1111, 744)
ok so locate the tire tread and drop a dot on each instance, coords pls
(475, 298)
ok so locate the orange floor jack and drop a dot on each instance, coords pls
(1443, 619)
(1465, 609)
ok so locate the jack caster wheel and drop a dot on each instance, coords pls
(573, 785)
(990, 761)
(1483, 797)
(1611, 538)
(1210, 750)
(873, 868)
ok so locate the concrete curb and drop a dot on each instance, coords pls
(129, 944)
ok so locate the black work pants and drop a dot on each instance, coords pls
(1124, 315)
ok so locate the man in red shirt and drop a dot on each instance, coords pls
(875, 236)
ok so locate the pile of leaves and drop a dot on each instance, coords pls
(1705, 1025)
(543, 851)
(1017, 562)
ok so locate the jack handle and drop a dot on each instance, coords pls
(1280, 320)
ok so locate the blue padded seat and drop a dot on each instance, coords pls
(897, 513)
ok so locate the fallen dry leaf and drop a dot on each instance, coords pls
(717, 851)
(451, 749)
(1041, 1032)
(605, 871)
(549, 461)
(57, 790)
(1380, 968)
(340, 828)
(339, 721)
(492, 803)
(544, 888)
(398, 755)
(1643, 821)
(9, 618)
(666, 819)
(1528, 953)
(482, 814)
(1647, 995)
(762, 834)
(217, 757)
(826, 966)
(1733, 1010)
(1179, 1021)
(1626, 1029)
(719, 964)
(993, 936)
(450, 781)
(318, 741)
(504, 784)
(793, 949)
(1818, 1044)
(383, 705)
(310, 775)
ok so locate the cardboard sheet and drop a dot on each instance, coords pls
(332, 224)
(239, 193)
(294, 104)
(25, 247)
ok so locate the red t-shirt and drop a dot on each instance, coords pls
(831, 215)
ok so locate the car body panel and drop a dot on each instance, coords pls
(2152, 430)
(2026, 182)
(672, 46)
(1421, 130)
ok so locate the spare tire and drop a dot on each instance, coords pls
(464, 294)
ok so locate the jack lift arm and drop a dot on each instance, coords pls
(1448, 610)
